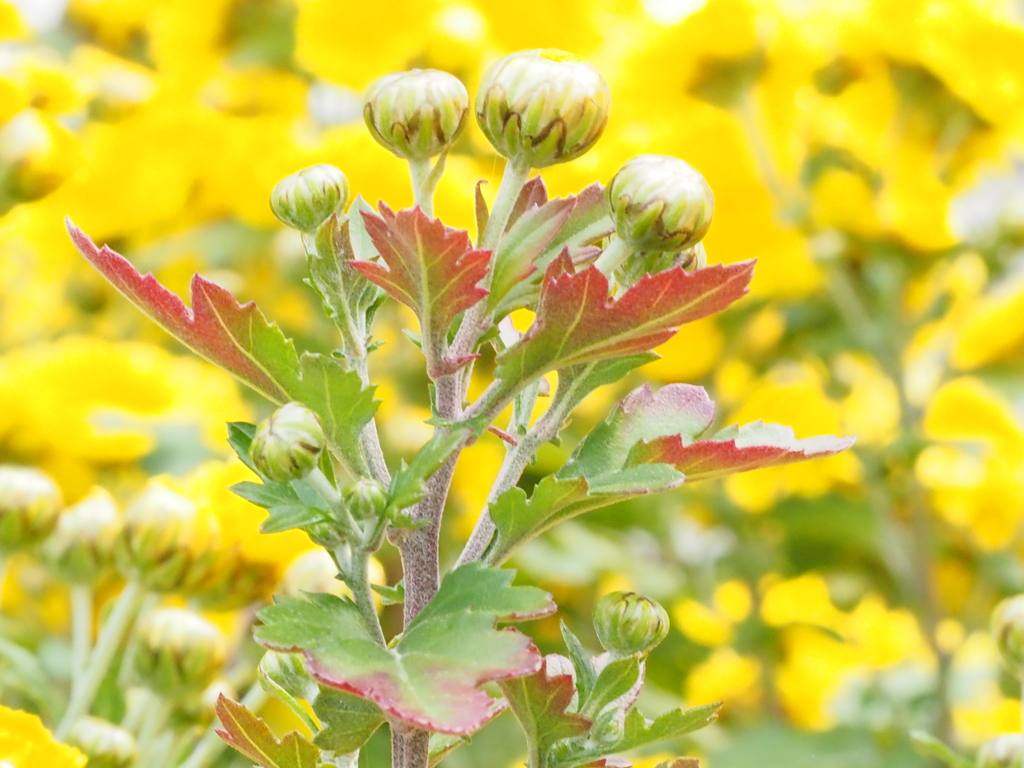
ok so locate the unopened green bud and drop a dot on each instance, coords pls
(1008, 630)
(628, 623)
(312, 571)
(306, 199)
(30, 505)
(366, 499)
(660, 203)
(1003, 751)
(81, 548)
(288, 672)
(105, 744)
(542, 107)
(231, 581)
(288, 444)
(163, 537)
(416, 114)
(179, 652)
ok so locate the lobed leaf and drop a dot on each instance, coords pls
(541, 702)
(577, 322)
(408, 486)
(239, 339)
(348, 721)
(430, 678)
(248, 734)
(431, 268)
(616, 679)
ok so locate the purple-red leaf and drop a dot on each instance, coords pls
(541, 703)
(248, 734)
(431, 268)
(577, 322)
(751, 446)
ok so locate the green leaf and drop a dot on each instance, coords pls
(390, 595)
(348, 721)
(518, 519)
(21, 670)
(928, 745)
(239, 339)
(248, 734)
(408, 486)
(586, 675)
(291, 503)
(240, 435)
(442, 745)
(346, 294)
(431, 677)
(616, 679)
(541, 703)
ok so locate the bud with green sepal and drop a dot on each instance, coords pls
(416, 114)
(288, 444)
(1003, 751)
(179, 652)
(1008, 630)
(659, 204)
(628, 623)
(306, 199)
(288, 672)
(366, 499)
(542, 107)
(81, 548)
(105, 744)
(30, 504)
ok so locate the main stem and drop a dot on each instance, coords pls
(110, 637)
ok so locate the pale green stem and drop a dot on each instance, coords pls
(424, 182)
(81, 631)
(614, 256)
(111, 634)
(211, 745)
(512, 182)
(332, 496)
(131, 649)
(357, 578)
(158, 711)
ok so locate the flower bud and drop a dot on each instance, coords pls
(416, 114)
(81, 548)
(312, 571)
(542, 107)
(231, 581)
(179, 652)
(288, 444)
(105, 744)
(306, 199)
(288, 672)
(36, 155)
(163, 539)
(660, 203)
(30, 505)
(366, 499)
(1008, 630)
(1003, 751)
(628, 623)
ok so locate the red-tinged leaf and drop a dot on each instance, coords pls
(577, 322)
(533, 195)
(541, 703)
(239, 339)
(752, 446)
(431, 268)
(430, 678)
(248, 734)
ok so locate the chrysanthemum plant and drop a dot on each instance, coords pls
(610, 274)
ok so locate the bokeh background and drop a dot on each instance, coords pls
(867, 152)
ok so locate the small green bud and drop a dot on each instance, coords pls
(30, 505)
(105, 744)
(366, 499)
(1003, 751)
(287, 671)
(81, 548)
(1008, 630)
(163, 540)
(416, 114)
(179, 652)
(542, 107)
(660, 203)
(307, 198)
(288, 444)
(628, 623)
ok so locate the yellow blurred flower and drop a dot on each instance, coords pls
(725, 676)
(25, 743)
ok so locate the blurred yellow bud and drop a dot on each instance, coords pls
(1003, 751)
(105, 744)
(1008, 630)
(30, 505)
(81, 548)
(179, 652)
(36, 155)
(312, 571)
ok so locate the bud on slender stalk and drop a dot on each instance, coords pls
(660, 203)
(288, 444)
(105, 744)
(366, 499)
(628, 623)
(179, 652)
(312, 571)
(81, 548)
(306, 199)
(1008, 630)
(542, 107)
(416, 114)
(287, 671)
(1003, 751)
(30, 505)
